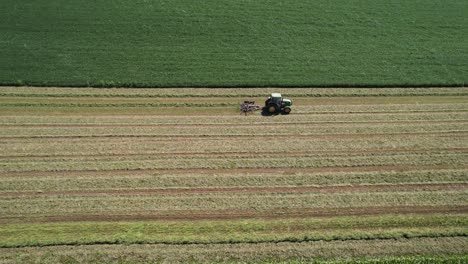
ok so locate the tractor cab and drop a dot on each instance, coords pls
(276, 104)
(276, 98)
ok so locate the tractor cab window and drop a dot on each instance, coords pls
(276, 100)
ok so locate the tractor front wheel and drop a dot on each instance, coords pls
(287, 110)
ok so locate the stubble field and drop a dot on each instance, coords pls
(135, 175)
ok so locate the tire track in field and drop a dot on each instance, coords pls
(238, 153)
(279, 170)
(266, 189)
(223, 136)
(280, 213)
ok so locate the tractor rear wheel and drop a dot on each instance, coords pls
(273, 108)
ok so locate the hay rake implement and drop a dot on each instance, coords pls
(249, 107)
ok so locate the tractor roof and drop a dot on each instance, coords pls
(275, 95)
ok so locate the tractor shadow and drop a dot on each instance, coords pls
(266, 113)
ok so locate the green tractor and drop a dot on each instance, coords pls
(277, 104)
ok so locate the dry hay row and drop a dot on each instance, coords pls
(279, 213)
(223, 136)
(306, 122)
(134, 146)
(306, 111)
(247, 252)
(267, 189)
(226, 171)
(111, 145)
(228, 92)
(300, 110)
(221, 119)
(217, 182)
(256, 124)
(229, 132)
(115, 181)
(304, 108)
(215, 154)
(193, 163)
(142, 204)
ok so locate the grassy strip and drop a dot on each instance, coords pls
(50, 148)
(117, 105)
(341, 105)
(233, 130)
(233, 231)
(74, 147)
(453, 105)
(232, 111)
(383, 108)
(227, 109)
(232, 120)
(112, 111)
(242, 95)
(402, 101)
(110, 181)
(18, 206)
(94, 164)
(221, 119)
(384, 260)
(320, 104)
(121, 238)
(231, 155)
(227, 93)
(418, 250)
(416, 259)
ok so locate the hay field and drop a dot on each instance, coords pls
(143, 175)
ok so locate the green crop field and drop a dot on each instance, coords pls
(221, 43)
(178, 175)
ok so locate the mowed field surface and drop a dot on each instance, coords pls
(115, 175)
(149, 43)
